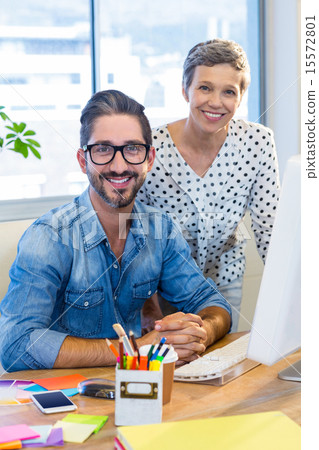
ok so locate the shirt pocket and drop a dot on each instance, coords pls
(141, 292)
(82, 312)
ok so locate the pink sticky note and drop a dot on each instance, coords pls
(16, 432)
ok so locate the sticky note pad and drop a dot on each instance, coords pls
(70, 392)
(66, 382)
(75, 432)
(11, 445)
(16, 432)
(99, 421)
(23, 396)
(43, 430)
(262, 431)
(35, 388)
(55, 438)
(14, 383)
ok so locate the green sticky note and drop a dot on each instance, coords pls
(89, 419)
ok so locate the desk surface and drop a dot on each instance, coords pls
(258, 390)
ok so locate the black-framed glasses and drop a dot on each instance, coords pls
(104, 153)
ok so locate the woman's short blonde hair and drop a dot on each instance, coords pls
(217, 51)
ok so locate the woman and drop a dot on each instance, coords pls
(210, 168)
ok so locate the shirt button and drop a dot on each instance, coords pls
(149, 292)
(115, 266)
(86, 303)
(115, 297)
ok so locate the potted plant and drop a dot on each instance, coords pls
(18, 138)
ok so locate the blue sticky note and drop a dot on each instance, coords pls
(70, 392)
(35, 388)
(43, 430)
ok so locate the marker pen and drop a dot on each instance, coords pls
(129, 362)
(143, 363)
(134, 362)
(155, 365)
(160, 345)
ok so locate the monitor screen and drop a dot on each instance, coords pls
(276, 328)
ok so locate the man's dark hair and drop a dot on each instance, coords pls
(106, 103)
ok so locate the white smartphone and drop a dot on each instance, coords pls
(53, 402)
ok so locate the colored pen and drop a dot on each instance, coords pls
(121, 333)
(121, 353)
(112, 348)
(150, 352)
(129, 362)
(134, 363)
(160, 345)
(143, 363)
(166, 351)
(134, 343)
(155, 365)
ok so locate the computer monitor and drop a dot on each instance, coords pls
(276, 327)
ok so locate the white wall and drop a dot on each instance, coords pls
(282, 75)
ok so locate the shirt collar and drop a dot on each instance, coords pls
(92, 231)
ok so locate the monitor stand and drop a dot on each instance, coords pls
(291, 373)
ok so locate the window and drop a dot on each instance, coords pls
(46, 78)
(143, 45)
(44, 82)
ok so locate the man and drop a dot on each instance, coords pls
(82, 267)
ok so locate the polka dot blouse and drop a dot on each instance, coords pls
(244, 176)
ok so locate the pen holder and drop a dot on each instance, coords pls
(168, 365)
(138, 396)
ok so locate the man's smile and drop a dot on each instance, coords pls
(119, 181)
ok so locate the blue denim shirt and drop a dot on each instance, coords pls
(67, 281)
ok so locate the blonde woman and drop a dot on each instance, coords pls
(211, 168)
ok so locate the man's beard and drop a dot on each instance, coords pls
(119, 199)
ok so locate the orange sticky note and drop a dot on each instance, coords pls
(11, 445)
(66, 382)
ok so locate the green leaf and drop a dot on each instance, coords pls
(11, 128)
(29, 133)
(33, 142)
(10, 135)
(1, 107)
(35, 152)
(4, 116)
(16, 127)
(21, 127)
(1, 142)
(21, 147)
(18, 144)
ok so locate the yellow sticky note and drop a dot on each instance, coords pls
(261, 431)
(75, 432)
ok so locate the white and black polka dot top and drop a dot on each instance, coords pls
(209, 210)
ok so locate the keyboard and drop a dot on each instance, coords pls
(219, 366)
